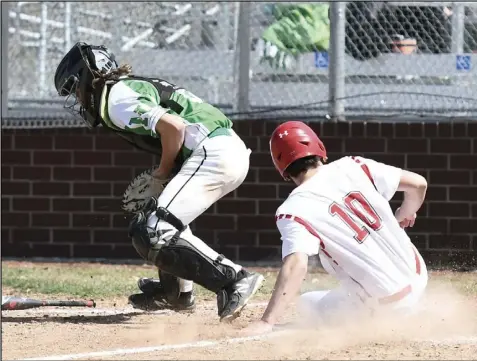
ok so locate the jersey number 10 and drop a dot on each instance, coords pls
(365, 213)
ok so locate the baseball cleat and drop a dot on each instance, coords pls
(232, 300)
(153, 298)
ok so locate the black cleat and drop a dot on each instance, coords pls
(154, 298)
(232, 300)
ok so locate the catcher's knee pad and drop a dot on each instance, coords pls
(181, 258)
(171, 285)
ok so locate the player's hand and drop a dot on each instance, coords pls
(257, 328)
(405, 220)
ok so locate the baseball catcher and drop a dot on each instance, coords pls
(201, 160)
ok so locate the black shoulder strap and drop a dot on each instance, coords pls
(165, 90)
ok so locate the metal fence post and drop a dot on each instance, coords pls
(336, 61)
(244, 57)
(4, 36)
(457, 19)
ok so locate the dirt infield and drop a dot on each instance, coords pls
(446, 329)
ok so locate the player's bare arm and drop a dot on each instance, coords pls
(172, 130)
(287, 286)
(414, 187)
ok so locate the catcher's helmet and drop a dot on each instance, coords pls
(74, 78)
(292, 141)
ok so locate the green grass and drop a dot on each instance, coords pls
(88, 280)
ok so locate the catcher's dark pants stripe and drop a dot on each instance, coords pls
(188, 180)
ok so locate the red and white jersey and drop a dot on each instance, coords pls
(343, 214)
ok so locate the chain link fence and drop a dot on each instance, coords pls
(374, 59)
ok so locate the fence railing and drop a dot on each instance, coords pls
(337, 60)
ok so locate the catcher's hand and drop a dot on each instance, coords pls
(141, 188)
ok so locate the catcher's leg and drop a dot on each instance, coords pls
(185, 256)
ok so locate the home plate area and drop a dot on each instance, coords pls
(122, 333)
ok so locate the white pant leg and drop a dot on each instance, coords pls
(217, 167)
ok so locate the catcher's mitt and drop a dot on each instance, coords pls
(141, 188)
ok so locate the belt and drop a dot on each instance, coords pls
(406, 290)
(220, 131)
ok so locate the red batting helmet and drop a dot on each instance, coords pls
(294, 140)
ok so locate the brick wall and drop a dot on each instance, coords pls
(61, 190)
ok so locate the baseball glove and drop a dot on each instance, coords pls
(141, 188)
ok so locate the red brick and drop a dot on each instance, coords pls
(6, 238)
(55, 157)
(32, 173)
(387, 130)
(132, 159)
(268, 207)
(15, 188)
(373, 129)
(31, 204)
(15, 219)
(333, 145)
(92, 220)
(7, 142)
(89, 250)
(74, 142)
(430, 225)
(396, 160)
(208, 236)
(419, 240)
(449, 209)
(444, 129)
(71, 204)
(284, 190)
(463, 226)
(51, 250)
(124, 251)
(6, 172)
(463, 161)
(436, 193)
(6, 204)
(472, 129)
(119, 188)
(256, 191)
(111, 143)
(450, 146)
(427, 161)
(121, 220)
(242, 128)
(256, 254)
(33, 142)
(240, 238)
(111, 236)
(50, 220)
(16, 157)
(373, 145)
(113, 174)
(72, 235)
(325, 129)
(474, 210)
(459, 130)
(51, 189)
(358, 130)
(251, 176)
(72, 173)
(31, 235)
(261, 160)
(259, 128)
(463, 193)
(92, 189)
(269, 238)
(236, 206)
(416, 130)
(247, 223)
(449, 177)
(106, 204)
(407, 145)
(451, 241)
(229, 252)
(269, 175)
(92, 158)
(252, 142)
(343, 129)
(217, 222)
(401, 130)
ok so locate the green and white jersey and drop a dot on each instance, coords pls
(134, 105)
